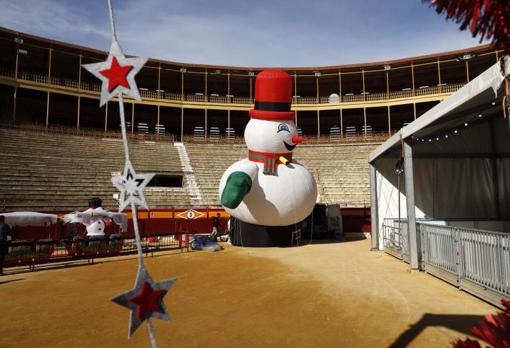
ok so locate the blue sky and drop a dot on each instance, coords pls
(246, 33)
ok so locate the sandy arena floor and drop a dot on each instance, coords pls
(322, 295)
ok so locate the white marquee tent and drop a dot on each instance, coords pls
(454, 163)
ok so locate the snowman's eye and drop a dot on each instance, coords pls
(283, 127)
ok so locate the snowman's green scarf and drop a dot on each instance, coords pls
(270, 160)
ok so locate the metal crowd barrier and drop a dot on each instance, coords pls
(473, 260)
(32, 253)
(476, 261)
(395, 238)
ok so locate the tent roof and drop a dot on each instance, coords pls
(478, 93)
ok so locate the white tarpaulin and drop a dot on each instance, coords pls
(29, 218)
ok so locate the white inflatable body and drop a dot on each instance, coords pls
(273, 200)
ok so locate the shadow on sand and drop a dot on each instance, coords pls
(11, 281)
(457, 322)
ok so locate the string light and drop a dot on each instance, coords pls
(455, 131)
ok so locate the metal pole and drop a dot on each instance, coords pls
(106, 117)
(389, 120)
(411, 216)
(317, 88)
(15, 96)
(48, 109)
(340, 85)
(439, 83)
(363, 81)
(467, 71)
(365, 121)
(78, 113)
(318, 125)
(373, 207)
(205, 85)
(341, 124)
(205, 123)
(412, 79)
(182, 124)
(132, 118)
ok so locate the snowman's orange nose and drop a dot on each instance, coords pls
(296, 139)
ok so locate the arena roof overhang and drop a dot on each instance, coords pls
(332, 68)
(454, 111)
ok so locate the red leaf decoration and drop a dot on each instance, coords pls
(466, 344)
(495, 330)
(488, 18)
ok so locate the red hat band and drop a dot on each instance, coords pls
(273, 96)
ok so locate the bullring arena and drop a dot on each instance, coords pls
(59, 149)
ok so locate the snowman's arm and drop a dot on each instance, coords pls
(238, 185)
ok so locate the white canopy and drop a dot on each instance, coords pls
(479, 92)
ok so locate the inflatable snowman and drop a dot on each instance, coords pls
(269, 188)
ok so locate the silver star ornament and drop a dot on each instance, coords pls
(131, 185)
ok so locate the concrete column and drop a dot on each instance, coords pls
(411, 216)
(373, 207)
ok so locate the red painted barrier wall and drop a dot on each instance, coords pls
(169, 221)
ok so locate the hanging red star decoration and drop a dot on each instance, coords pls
(148, 301)
(116, 75)
(145, 300)
(486, 18)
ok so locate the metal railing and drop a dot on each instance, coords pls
(348, 98)
(474, 260)
(395, 238)
(32, 253)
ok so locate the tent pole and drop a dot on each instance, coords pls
(373, 207)
(411, 215)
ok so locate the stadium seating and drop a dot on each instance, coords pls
(341, 171)
(45, 171)
(209, 161)
(49, 171)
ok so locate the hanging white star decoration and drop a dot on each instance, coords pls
(117, 74)
(131, 185)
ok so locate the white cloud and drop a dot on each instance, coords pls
(46, 17)
(242, 34)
